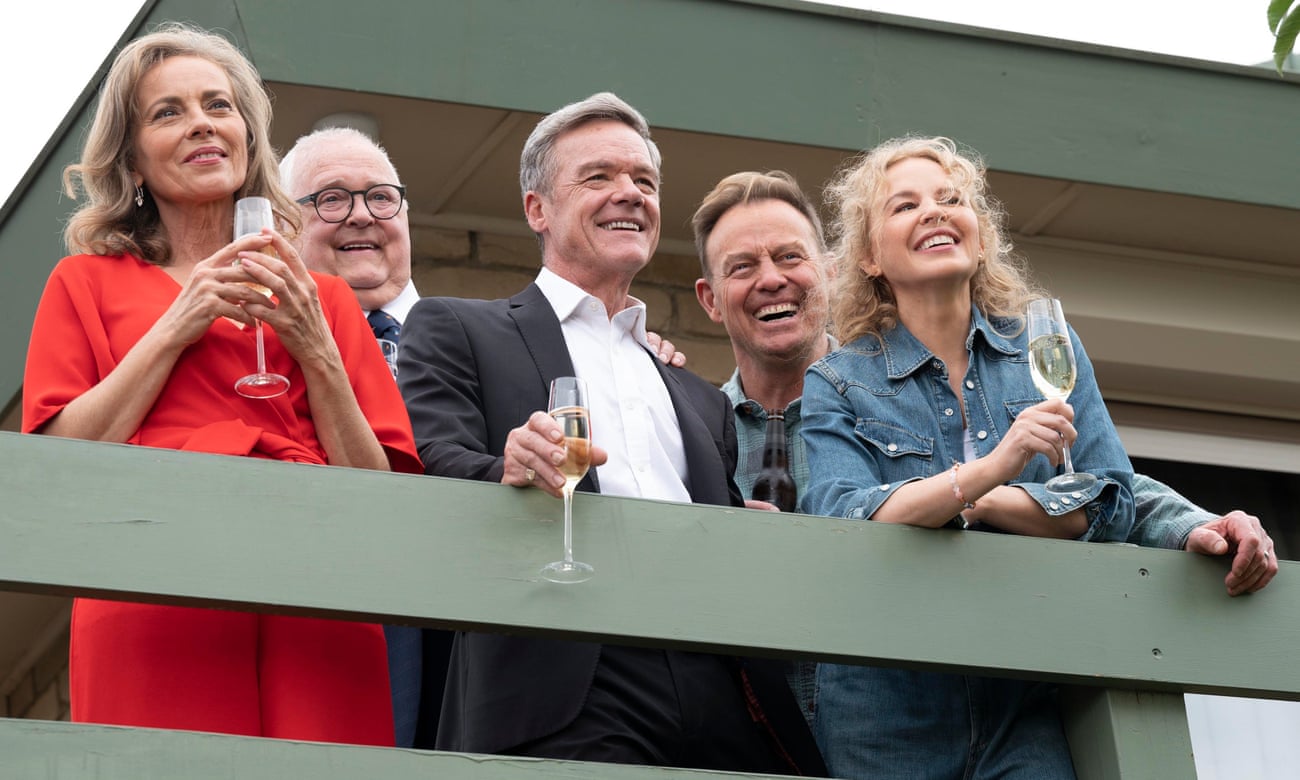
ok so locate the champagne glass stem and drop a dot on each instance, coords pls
(568, 523)
(261, 350)
(1065, 458)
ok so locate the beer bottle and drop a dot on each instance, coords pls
(774, 483)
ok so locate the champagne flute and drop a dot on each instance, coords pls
(568, 405)
(251, 215)
(1052, 366)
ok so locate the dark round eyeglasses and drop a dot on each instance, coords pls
(334, 204)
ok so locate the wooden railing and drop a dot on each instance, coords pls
(1127, 629)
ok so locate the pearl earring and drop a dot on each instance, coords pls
(139, 196)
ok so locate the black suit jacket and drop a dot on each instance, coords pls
(470, 372)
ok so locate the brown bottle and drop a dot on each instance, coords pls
(774, 483)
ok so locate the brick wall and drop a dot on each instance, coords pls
(42, 692)
(481, 265)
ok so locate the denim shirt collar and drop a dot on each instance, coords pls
(904, 353)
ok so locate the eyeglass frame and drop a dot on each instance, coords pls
(352, 201)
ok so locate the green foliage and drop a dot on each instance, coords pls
(1285, 25)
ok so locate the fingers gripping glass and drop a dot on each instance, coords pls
(1052, 367)
(334, 204)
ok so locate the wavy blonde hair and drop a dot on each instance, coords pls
(109, 223)
(865, 305)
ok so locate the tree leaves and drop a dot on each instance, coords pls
(1285, 26)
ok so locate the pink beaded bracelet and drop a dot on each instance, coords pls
(956, 488)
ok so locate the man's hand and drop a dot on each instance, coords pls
(534, 451)
(1253, 561)
(664, 348)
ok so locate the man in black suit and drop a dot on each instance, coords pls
(475, 376)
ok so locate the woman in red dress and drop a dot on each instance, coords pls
(141, 337)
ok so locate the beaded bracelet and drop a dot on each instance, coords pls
(956, 488)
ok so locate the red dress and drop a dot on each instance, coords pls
(199, 669)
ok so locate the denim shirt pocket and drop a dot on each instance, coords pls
(899, 454)
(1014, 408)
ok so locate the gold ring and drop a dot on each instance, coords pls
(530, 475)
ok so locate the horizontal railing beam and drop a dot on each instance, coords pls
(171, 527)
(66, 751)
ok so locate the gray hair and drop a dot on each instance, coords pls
(536, 164)
(308, 150)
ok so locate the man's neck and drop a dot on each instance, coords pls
(771, 383)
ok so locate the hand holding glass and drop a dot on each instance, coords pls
(568, 405)
(1052, 366)
(251, 215)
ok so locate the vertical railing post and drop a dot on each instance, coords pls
(1127, 735)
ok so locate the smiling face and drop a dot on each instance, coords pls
(191, 147)
(599, 219)
(766, 282)
(927, 233)
(372, 255)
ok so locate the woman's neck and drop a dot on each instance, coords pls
(195, 233)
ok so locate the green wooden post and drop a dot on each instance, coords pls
(1118, 734)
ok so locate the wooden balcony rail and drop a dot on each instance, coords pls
(1128, 629)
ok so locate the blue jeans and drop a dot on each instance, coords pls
(891, 723)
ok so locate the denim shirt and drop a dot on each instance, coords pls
(880, 413)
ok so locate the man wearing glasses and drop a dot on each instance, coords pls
(355, 227)
(354, 218)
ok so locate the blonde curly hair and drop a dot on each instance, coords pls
(865, 305)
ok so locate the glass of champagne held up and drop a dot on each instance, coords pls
(251, 215)
(568, 406)
(1052, 366)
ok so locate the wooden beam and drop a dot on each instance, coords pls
(67, 751)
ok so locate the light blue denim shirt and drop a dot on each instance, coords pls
(880, 413)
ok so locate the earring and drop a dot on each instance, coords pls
(139, 196)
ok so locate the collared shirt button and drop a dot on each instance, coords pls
(892, 447)
(1053, 506)
(970, 385)
(884, 487)
(937, 365)
(1077, 495)
(982, 435)
(947, 412)
(1066, 500)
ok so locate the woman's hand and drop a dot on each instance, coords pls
(216, 287)
(296, 314)
(1038, 430)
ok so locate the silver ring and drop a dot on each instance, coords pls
(530, 475)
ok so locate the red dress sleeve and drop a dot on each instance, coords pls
(372, 382)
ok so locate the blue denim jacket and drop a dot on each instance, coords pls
(879, 413)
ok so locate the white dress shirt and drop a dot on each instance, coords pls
(400, 306)
(632, 416)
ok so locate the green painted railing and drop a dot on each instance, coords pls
(1130, 629)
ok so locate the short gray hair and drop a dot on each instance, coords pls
(536, 164)
(308, 149)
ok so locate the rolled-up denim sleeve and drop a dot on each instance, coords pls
(1098, 450)
(1164, 518)
(844, 478)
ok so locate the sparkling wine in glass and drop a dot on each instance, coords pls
(251, 215)
(568, 406)
(1052, 366)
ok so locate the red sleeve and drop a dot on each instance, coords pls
(372, 382)
(69, 351)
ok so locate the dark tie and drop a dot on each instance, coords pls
(384, 325)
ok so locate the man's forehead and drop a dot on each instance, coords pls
(350, 167)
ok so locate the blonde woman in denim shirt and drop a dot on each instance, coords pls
(928, 416)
